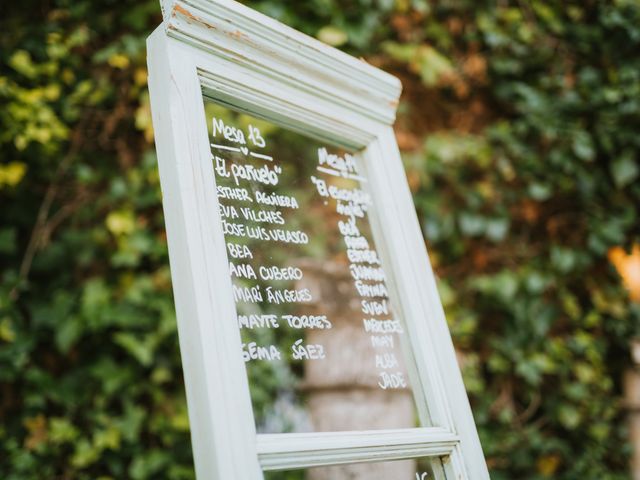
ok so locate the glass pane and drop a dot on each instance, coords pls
(324, 348)
(413, 469)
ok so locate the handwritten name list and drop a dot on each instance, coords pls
(261, 215)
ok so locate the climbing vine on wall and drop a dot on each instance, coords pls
(519, 129)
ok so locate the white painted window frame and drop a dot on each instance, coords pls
(254, 63)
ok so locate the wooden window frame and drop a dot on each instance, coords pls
(253, 63)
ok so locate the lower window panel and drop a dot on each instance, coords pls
(412, 469)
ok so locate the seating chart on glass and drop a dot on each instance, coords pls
(323, 346)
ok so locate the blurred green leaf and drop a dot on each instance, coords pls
(332, 36)
(625, 170)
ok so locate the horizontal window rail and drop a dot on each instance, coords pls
(300, 450)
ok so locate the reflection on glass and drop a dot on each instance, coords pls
(412, 469)
(324, 349)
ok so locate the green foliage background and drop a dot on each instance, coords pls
(519, 126)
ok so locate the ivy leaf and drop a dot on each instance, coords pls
(141, 349)
(583, 146)
(624, 170)
(332, 35)
(21, 62)
(12, 173)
